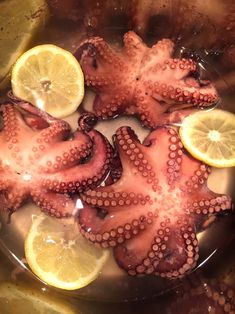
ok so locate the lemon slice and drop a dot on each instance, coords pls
(60, 256)
(20, 21)
(18, 299)
(50, 78)
(210, 136)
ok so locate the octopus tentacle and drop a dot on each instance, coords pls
(160, 257)
(83, 176)
(109, 197)
(95, 53)
(56, 131)
(190, 92)
(187, 172)
(54, 204)
(103, 106)
(86, 122)
(108, 105)
(3, 184)
(197, 294)
(70, 154)
(170, 156)
(133, 152)
(163, 49)
(182, 259)
(133, 44)
(36, 112)
(138, 257)
(213, 204)
(97, 79)
(165, 113)
(10, 121)
(13, 129)
(12, 198)
(200, 173)
(115, 169)
(113, 229)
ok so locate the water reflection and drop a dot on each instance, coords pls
(199, 293)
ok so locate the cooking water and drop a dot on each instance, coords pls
(113, 284)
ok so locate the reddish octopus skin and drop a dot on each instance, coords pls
(143, 81)
(38, 161)
(152, 213)
(199, 295)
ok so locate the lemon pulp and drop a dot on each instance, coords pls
(50, 78)
(60, 256)
(210, 136)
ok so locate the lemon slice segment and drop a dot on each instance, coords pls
(60, 256)
(210, 137)
(50, 78)
(20, 21)
(18, 299)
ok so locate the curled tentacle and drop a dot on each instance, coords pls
(87, 121)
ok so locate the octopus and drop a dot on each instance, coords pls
(95, 16)
(43, 161)
(151, 213)
(200, 295)
(143, 81)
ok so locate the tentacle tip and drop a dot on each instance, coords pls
(14, 99)
(9, 214)
(87, 121)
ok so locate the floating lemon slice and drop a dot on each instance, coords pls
(50, 78)
(20, 21)
(60, 256)
(18, 299)
(210, 136)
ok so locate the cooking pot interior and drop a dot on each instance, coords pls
(205, 32)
